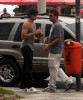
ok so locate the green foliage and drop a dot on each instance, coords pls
(8, 92)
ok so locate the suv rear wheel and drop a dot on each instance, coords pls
(9, 72)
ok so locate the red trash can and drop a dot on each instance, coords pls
(73, 58)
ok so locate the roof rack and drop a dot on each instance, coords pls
(67, 15)
(14, 17)
(22, 16)
(40, 16)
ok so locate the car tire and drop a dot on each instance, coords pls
(9, 73)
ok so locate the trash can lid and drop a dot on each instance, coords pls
(74, 44)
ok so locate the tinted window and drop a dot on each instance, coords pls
(47, 29)
(38, 25)
(17, 37)
(81, 36)
(67, 35)
(72, 28)
(5, 29)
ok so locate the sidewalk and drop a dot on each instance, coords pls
(59, 95)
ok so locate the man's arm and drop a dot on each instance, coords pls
(48, 46)
(25, 34)
(54, 42)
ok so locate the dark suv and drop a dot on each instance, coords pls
(11, 60)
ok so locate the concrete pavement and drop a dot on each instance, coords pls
(59, 95)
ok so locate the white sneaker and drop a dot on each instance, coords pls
(50, 89)
(32, 90)
(23, 90)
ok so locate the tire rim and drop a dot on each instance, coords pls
(6, 73)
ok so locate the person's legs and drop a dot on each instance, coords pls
(63, 76)
(26, 78)
(54, 62)
(68, 81)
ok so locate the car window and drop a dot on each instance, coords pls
(38, 25)
(5, 29)
(72, 28)
(47, 29)
(17, 37)
(67, 35)
(81, 31)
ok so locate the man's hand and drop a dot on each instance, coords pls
(46, 47)
(46, 40)
(38, 31)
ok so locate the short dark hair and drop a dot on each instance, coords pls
(54, 11)
(32, 11)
